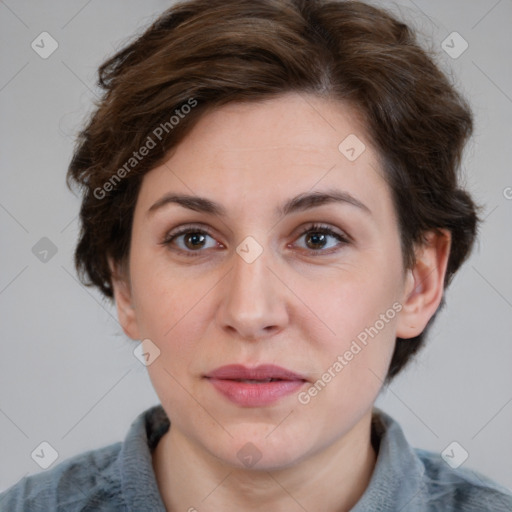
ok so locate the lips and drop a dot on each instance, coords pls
(262, 373)
(255, 387)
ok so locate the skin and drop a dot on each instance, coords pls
(297, 305)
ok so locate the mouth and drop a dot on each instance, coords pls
(255, 387)
(256, 381)
(261, 373)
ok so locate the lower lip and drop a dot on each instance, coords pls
(248, 394)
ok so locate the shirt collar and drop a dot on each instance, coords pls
(388, 490)
(397, 480)
(138, 481)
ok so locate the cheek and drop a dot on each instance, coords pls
(346, 304)
(167, 298)
(353, 365)
(174, 319)
(355, 338)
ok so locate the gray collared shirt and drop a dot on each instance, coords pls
(120, 477)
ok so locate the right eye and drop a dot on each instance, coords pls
(190, 240)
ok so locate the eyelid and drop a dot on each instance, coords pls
(185, 228)
(320, 226)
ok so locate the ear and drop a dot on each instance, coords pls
(424, 284)
(123, 296)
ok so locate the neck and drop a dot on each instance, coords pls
(331, 480)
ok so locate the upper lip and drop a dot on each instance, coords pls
(261, 372)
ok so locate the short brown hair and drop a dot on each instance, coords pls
(208, 53)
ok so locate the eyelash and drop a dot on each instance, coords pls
(343, 239)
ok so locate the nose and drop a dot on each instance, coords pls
(253, 303)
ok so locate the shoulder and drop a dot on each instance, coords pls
(90, 480)
(113, 478)
(449, 489)
(418, 480)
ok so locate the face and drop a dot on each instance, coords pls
(285, 252)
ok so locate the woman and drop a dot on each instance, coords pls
(270, 195)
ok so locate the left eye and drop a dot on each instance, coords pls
(318, 238)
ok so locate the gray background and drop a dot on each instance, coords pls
(67, 373)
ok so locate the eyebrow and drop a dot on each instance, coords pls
(313, 199)
(298, 203)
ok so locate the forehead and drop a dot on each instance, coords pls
(265, 152)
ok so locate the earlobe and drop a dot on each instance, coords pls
(424, 285)
(123, 297)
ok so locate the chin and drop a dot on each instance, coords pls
(263, 452)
